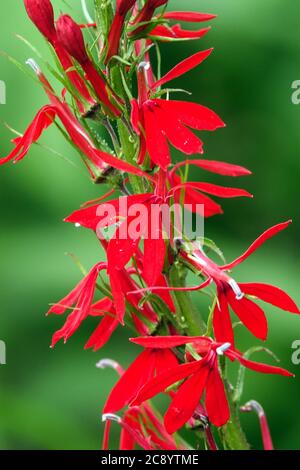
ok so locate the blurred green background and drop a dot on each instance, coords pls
(52, 399)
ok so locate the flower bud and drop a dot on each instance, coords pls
(42, 15)
(71, 38)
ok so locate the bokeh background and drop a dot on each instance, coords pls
(53, 399)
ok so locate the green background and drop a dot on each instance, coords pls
(53, 399)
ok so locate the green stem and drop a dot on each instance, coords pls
(188, 316)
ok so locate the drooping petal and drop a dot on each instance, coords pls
(186, 400)
(216, 190)
(221, 320)
(101, 307)
(130, 383)
(257, 366)
(82, 307)
(167, 341)
(159, 383)
(257, 243)
(270, 294)
(220, 168)
(250, 314)
(115, 279)
(164, 33)
(42, 120)
(215, 400)
(102, 333)
(183, 67)
(190, 16)
(180, 136)
(154, 250)
(156, 142)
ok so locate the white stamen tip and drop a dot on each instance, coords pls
(236, 289)
(221, 349)
(32, 63)
(144, 65)
(103, 363)
(77, 225)
(111, 417)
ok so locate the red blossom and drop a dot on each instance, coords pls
(233, 294)
(42, 15)
(70, 36)
(199, 375)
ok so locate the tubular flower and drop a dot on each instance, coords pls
(70, 36)
(115, 32)
(149, 363)
(233, 294)
(158, 121)
(200, 375)
(125, 242)
(118, 112)
(42, 15)
(101, 160)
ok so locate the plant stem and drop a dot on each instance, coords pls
(188, 315)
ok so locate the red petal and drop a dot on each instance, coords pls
(257, 243)
(220, 168)
(42, 120)
(192, 114)
(167, 341)
(217, 190)
(271, 294)
(154, 250)
(257, 366)
(102, 333)
(190, 16)
(135, 116)
(222, 322)
(121, 164)
(139, 372)
(101, 307)
(157, 145)
(215, 401)
(250, 314)
(162, 381)
(183, 67)
(180, 136)
(195, 199)
(185, 401)
(176, 32)
(115, 280)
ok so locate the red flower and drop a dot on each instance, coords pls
(157, 120)
(232, 294)
(70, 36)
(122, 8)
(200, 374)
(82, 296)
(101, 160)
(145, 15)
(144, 367)
(42, 15)
(141, 425)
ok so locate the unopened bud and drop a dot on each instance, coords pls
(42, 15)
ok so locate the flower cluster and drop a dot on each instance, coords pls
(111, 89)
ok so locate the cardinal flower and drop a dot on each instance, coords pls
(141, 425)
(145, 15)
(115, 32)
(199, 374)
(149, 363)
(101, 160)
(167, 32)
(142, 316)
(158, 121)
(70, 36)
(146, 216)
(236, 295)
(42, 15)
